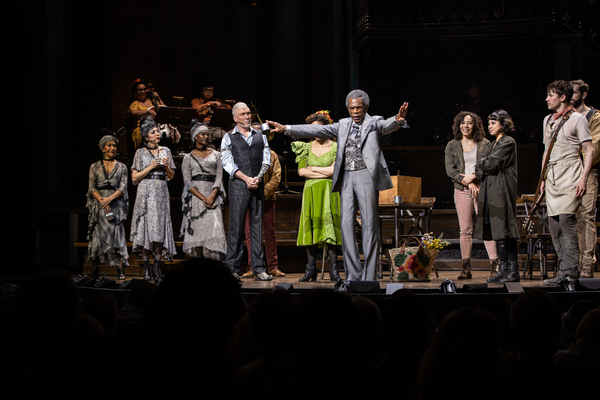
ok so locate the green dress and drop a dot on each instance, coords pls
(320, 219)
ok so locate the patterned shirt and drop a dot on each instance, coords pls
(353, 160)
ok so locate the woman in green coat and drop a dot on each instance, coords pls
(496, 219)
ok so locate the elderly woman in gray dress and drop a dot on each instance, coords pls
(108, 206)
(202, 198)
(151, 227)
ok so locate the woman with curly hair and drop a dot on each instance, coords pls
(320, 219)
(462, 154)
(497, 171)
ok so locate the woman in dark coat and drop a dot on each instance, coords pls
(496, 219)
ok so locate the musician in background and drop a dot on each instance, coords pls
(566, 175)
(587, 213)
(206, 102)
(143, 104)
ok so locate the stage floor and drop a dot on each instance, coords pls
(479, 277)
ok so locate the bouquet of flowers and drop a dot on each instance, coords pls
(431, 242)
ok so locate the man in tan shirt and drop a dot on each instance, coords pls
(587, 212)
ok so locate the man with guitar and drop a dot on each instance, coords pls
(587, 225)
(564, 177)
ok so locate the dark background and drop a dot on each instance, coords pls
(74, 61)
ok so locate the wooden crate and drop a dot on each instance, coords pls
(409, 187)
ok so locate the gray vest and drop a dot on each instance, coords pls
(247, 158)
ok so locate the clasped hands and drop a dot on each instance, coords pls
(252, 183)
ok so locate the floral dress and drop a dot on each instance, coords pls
(151, 219)
(203, 227)
(320, 217)
(106, 237)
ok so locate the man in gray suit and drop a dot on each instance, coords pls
(359, 174)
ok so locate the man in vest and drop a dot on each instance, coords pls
(587, 213)
(246, 157)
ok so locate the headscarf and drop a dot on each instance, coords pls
(196, 128)
(105, 139)
(147, 123)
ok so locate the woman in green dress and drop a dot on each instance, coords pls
(320, 216)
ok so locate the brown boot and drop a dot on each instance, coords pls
(466, 269)
(493, 267)
(586, 272)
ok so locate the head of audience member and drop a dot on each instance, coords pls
(580, 92)
(465, 345)
(559, 95)
(588, 331)
(103, 307)
(357, 103)
(469, 124)
(572, 318)
(535, 322)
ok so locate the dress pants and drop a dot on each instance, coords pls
(270, 239)
(242, 200)
(358, 189)
(563, 229)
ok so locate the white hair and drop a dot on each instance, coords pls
(237, 106)
(357, 93)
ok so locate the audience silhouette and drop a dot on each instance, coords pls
(189, 337)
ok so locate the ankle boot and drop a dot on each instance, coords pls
(334, 274)
(466, 269)
(157, 270)
(493, 267)
(95, 272)
(147, 276)
(502, 270)
(310, 274)
(512, 274)
(121, 273)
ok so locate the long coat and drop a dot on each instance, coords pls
(497, 171)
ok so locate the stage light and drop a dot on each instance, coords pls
(448, 286)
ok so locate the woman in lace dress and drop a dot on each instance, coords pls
(108, 206)
(320, 219)
(202, 198)
(151, 227)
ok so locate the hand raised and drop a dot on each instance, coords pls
(402, 112)
(276, 127)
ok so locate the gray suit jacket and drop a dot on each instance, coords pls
(371, 128)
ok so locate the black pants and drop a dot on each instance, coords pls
(242, 199)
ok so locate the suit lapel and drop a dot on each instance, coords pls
(364, 130)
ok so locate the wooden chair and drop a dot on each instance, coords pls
(537, 240)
